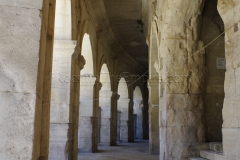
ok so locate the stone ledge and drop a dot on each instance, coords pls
(216, 146)
(211, 155)
(197, 158)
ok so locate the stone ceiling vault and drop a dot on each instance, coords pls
(125, 17)
(120, 26)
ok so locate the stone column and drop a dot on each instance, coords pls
(97, 88)
(181, 65)
(130, 116)
(113, 122)
(123, 105)
(21, 77)
(60, 121)
(105, 104)
(60, 98)
(86, 113)
(153, 116)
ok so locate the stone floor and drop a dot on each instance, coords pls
(124, 151)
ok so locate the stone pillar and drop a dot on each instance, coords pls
(130, 120)
(153, 117)
(97, 88)
(123, 108)
(86, 113)
(21, 86)
(105, 104)
(60, 98)
(60, 121)
(181, 64)
(229, 11)
(113, 121)
(78, 63)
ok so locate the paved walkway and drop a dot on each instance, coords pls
(124, 151)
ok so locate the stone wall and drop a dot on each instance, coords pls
(20, 71)
(181, 109)
(229, 11)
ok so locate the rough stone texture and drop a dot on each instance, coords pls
(211, 155)
(216, 146)
(19, 45)
(181, 103)
(229, 11)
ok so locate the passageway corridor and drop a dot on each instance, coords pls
(139, 150)
(119, 79)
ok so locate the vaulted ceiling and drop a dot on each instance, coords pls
(125, 17)
(119, 22)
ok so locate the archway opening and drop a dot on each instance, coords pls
(215, 70)
(104, 116)
(87, 81)
(138, 114)
(122, 108)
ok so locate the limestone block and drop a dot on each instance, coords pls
(85, 145)
(237, 74)
(231, 143)
(63, 20)
(85, 122)
(105, 121)
(86, 133)
(58, 150)
(230, 87)
(19, 45)
(86, 108)
(60, 95)
(17, 110)
(230, 112)
(59, 132)
(59, 112)
(211, 155)
(35, 4)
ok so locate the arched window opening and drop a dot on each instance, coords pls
(138, 114)
(105, 106)
(87, 81)
(122, 107)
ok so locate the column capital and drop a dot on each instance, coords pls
(116, 96)
(98, 85)
(81, 62)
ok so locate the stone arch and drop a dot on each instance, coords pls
(122, 108)
(105, 106)
(138, 115)
(87, 81)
